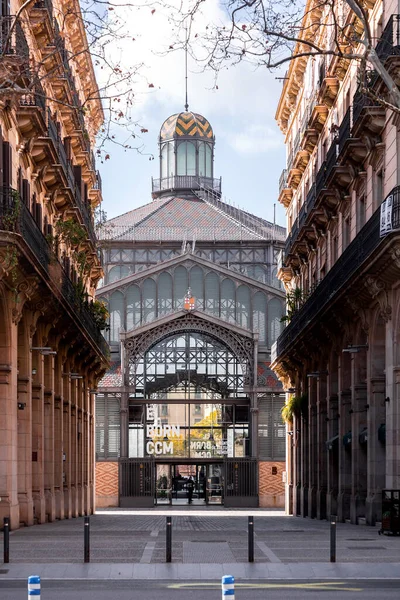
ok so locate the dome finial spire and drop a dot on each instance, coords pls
(186, 71)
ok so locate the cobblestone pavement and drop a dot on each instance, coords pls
(209, 537)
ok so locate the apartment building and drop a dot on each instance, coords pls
(338, 356)
(51, 350)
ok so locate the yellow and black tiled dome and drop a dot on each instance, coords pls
(186, 124)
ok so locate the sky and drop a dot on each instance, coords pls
(249, 150)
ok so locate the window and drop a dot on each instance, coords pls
(167, 160)
(107, 427)
(116, 315)
(275, 313)
(361, 212)
(379, 189)
(205, 160)
(271, 429)
(186, 159)
(346, 232)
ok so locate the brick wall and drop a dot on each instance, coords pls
(106, 484)
(271, 488)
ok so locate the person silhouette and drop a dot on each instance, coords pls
(189, 488)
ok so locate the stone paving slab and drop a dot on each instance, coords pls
(138, 537)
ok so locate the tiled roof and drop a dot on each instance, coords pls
(112, 377)
(178, 219)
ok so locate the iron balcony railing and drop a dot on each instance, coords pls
(361, 101)
(71, 181)
(36, 98)
(185, 182)
(301, 219)
(389, 43)
(16, 217)
(342, 271)
(331, 158)
(283, 180)
(45, 5)
(12, 38)
(345, 129)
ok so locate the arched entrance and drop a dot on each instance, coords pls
(189, 419)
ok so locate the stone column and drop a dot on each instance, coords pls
(332, 455)
(24, 413)
(58, 439)
(38, 439)
(67, 450)
(74, 449)
(376, 416)
(322, 462)
(344, 394)
(8, 419)
(49, 437)
(358, 453)
(304, 467)
(312, 445)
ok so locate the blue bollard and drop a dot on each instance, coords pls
(34, 587)
(228, 587)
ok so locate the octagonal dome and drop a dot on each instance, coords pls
(186, 124)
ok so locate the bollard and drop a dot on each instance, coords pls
(333, 538)
(168, 558)
(34, 587)
(251, 539)
(228, 587)
(86, 537)
(6, 539)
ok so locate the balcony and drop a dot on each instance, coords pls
(31, 116)
(285, 191)
(389, 43)
(41, 20)
(24, 224)
(185, 182)
(344, 270)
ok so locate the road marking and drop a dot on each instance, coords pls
(268, 552)
(326, 586)
(148, 552)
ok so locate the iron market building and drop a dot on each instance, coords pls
(194, 302)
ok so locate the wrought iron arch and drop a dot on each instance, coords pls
(241, 346)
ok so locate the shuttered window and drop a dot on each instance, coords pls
(107, 427)
(271, 429)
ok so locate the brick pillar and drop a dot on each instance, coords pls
(49, 438)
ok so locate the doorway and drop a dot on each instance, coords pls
(200, 483)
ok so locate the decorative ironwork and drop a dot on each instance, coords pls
(389, 44)
(185, 182)
(241, 347)
(343, 270)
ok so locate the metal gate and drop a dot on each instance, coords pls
(136, 482)
(241, 482)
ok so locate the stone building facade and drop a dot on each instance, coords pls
(190, 283)
(51, 350)
(339, 354)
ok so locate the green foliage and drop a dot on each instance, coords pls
(294, 301)
(11, 216)
(100, 314)
(296, 406)
(70, 232)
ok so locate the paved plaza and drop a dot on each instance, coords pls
(126, 544)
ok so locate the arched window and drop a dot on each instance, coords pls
(186, 159)
(228, 300)
(149, 300)
(105, 301)
(171, 160)
(275, 313)
(205, 155)
(117, 273)
(116, 315)
(164, 294)
(196, 285)
(260, 317)
(181, 285)
(243, 306)
(212, 294)
(133, 317)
